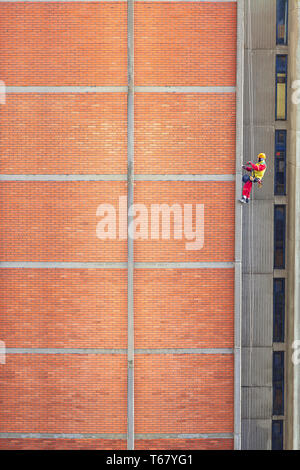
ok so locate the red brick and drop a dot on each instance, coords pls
(46, 44)
(185, 44)
(35, 229)
(217, 198)
(178, 308)
(62, 444)
(184, 393)
(184, 444)
(79, 133)
(63, 308)
(182, 133)
(63, 393)
(51, 221)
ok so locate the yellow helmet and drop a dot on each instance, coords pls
(262, 156)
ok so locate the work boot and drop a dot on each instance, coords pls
(243, 200)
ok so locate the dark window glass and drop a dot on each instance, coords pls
(278, 382)
(281, 87)
(279, 237)
(277, 435)
(280, 163)
(282, 22)
(278, 310)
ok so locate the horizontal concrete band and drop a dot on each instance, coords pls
(119, 89)
(148, 436)
(185, 89)
(117, 351)
(119, 1)
(118, 177)
(107, 265)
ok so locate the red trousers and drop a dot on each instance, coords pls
(247, 189)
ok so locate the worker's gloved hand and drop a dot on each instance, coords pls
(244, 167)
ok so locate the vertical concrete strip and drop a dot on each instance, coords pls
(130, 246)
(293, 410)
(238, 225)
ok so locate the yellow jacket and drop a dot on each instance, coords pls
(258, 169)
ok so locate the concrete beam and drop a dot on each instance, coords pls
(147, 436)
(238, 225)
(130, 222)
(108, 265)
(119, 89)
(117, 351)
(120, 177)
(292, 439)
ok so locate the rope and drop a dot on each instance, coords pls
(250, 218)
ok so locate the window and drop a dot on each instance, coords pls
(278, 310)
(278, 383)
(279, 237)
(280, 163)
(281, 87)
(277, 435)
(282, 22)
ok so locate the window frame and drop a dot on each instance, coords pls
(276, 206)
(276, 85)
(278, 435)
(280, 148)
(279, 339)
(278, 382)
(286, 40)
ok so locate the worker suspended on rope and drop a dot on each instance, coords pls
(257, 173)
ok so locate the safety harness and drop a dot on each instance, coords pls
(257, 175)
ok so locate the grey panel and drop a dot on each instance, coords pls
(256, 402)
(256, 434)
(262, 79)
(263, 24)
(264, 141)
(258, 237)
(257, 367)
(258, 294)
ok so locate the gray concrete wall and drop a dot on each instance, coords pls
(258, 226)
(263, 24)
(292, 438)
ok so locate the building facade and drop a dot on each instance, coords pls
(75, 120)
(270, 324)
(114, 343)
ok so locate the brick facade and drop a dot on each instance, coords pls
(77, 133)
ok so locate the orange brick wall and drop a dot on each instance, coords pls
(50, 221)
(64, 44)
(64, 308)
(184, 444)
(88, 308)
(58, 144)
(178, 308)
(185, 44)
(189, 393)
(85, 44)
(111, 444)
(63, 393)
(34, 230)
(201, 142)
(218, 220)
(66, 444)
(66, 133)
